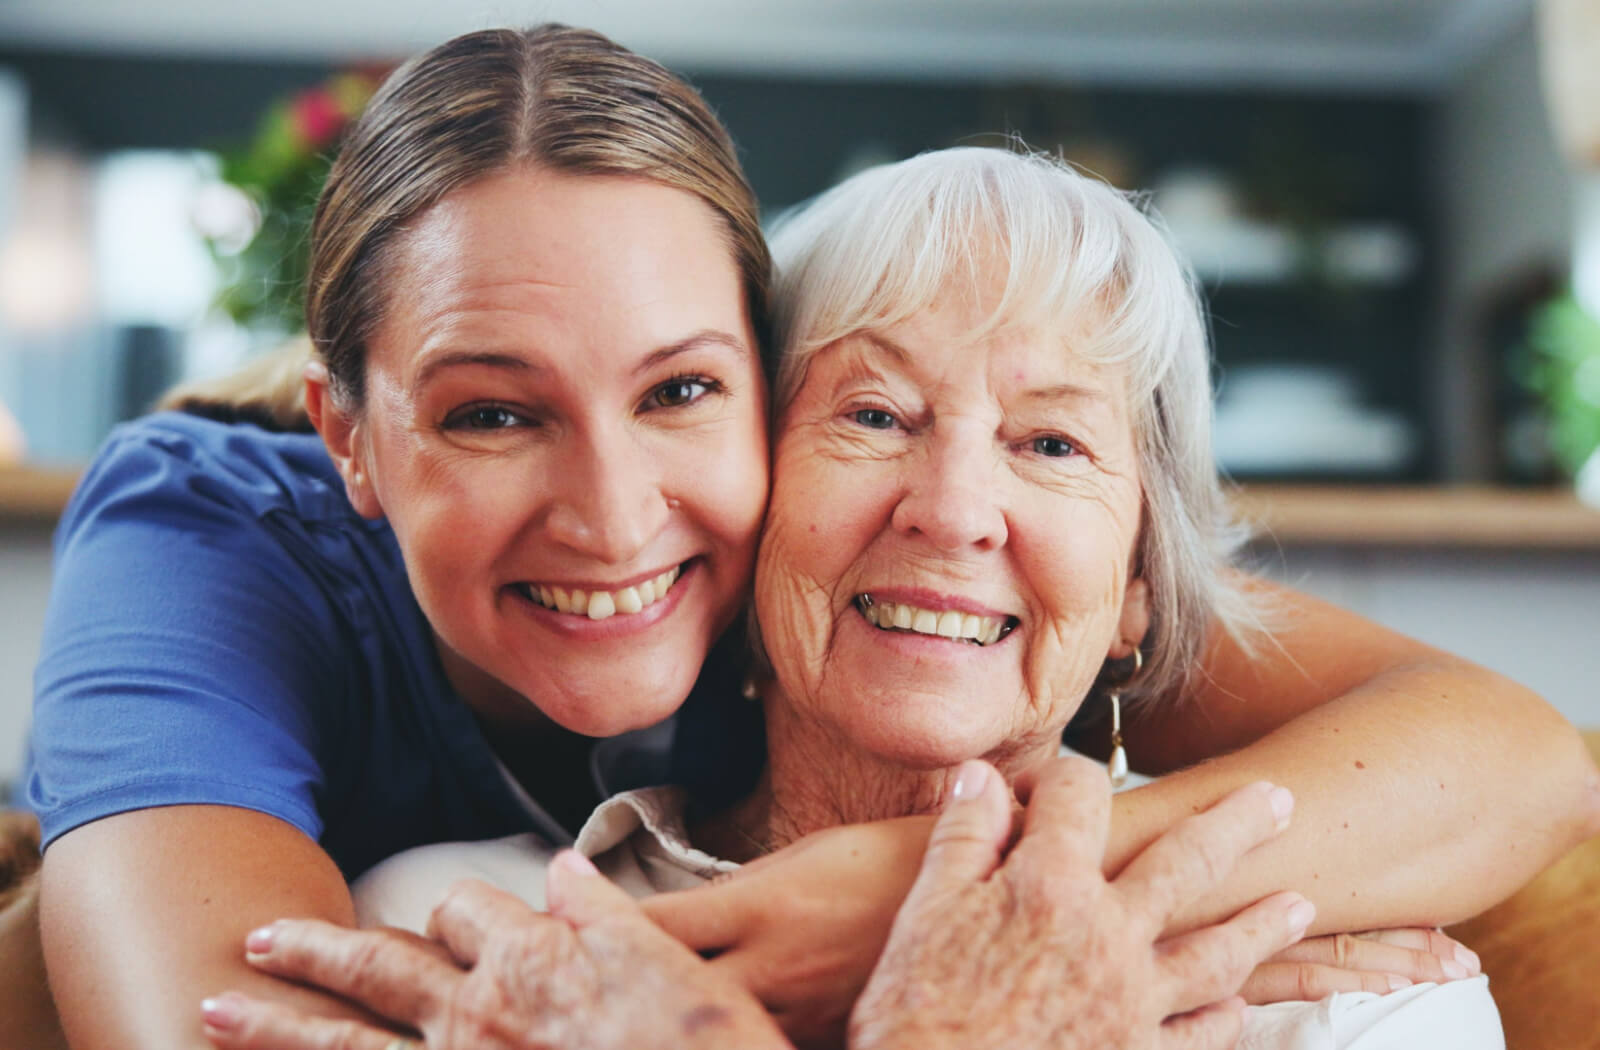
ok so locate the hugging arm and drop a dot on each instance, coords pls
(1427, 788)
(171, 717)
(144, 914)
(1027, 947)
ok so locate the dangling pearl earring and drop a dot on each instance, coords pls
(1118, 766)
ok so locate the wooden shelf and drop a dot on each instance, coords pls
(34, 494)
(1482, 517)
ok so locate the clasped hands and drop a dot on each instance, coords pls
(996, 944)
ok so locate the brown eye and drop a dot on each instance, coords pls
(680, 391)
(483, 417)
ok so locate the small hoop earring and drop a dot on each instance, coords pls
(1117, 767)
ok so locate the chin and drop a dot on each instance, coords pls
(611, 699)
(924, 747)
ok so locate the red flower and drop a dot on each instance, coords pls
(316, 117)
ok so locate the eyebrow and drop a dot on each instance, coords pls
(706, 337)
(1053, 392)
(1066, 392)
(703, 339)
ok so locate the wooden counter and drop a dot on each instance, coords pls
(1411, 516)
(34, 494)
(1465, 516)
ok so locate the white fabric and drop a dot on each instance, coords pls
(638, 840)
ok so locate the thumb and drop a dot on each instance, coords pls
(576, 892)
(970, 835)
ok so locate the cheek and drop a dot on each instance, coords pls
(806, 551)
(1078, 571)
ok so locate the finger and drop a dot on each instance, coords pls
(1213, 1027)
(1276, 982)
(1425, 939)
(1069, 813)
(470, 912)
(1211, 963)
(237, 1022)
(1194, 855)
(707, 918)
(577, 892)
(392, 973)
(1349, 952)
(967, 838)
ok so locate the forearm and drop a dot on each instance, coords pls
(1423, 796)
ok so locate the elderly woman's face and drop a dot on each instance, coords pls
(947, 557)
(565, 427)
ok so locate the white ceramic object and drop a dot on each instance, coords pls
(1588, 481)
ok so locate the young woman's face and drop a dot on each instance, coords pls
(564, 424)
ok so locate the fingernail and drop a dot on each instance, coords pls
(1396, 982)
(1469, 958)
(576, 863)
(260, 940)
(1282, 800)
(223, 1011)
(1300, 916)
(969, 781)
(1452, 969)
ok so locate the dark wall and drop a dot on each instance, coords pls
(1312, 160)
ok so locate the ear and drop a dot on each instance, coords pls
(1135, 621)
(345, 440)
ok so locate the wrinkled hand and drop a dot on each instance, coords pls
(803, 927)
(1036, 949)
(1375, 961)
(593, 973)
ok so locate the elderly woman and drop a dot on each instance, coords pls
(993, 488)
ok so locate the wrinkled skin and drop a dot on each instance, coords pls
(1036, 948)
(593, 973)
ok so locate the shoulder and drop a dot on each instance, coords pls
(404, 889)
(173, 461)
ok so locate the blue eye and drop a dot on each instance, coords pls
(1053, 446)
(874, 418)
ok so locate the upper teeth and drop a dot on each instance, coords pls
(985, 630)
(601, 605)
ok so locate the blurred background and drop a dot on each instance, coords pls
(1389, 203)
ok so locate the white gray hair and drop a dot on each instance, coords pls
(889, 242)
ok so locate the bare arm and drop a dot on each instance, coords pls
(1427, 788)
(144, 914)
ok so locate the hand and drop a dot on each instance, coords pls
(594, 973)
(1375, 961)
(782, 928)
(1037, 949)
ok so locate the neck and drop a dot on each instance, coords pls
(815, 779)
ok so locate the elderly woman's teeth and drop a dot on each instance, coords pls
(898, 616)
(602, 605)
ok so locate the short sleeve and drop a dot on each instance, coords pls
(190, 651)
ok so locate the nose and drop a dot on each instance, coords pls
(609, 502)
(953, 495)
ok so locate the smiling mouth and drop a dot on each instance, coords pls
(949, 624)
(602, 605)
